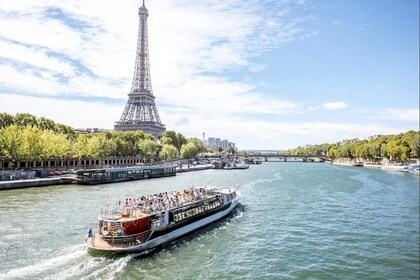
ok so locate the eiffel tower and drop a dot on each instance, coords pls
(141, 113)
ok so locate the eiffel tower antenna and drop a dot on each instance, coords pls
(140, 112)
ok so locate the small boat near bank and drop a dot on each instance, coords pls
(113, 175)
(235, 165)
(395, 168)
(141, 224)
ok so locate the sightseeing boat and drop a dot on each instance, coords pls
(235, 165)
(112, 175)
(141, 224)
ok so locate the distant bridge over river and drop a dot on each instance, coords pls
(283, 157)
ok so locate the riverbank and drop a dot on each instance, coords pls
(43, 182)
(396, 167)
(40, 182)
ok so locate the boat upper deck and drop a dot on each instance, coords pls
(134, 208)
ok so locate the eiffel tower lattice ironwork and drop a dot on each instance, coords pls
(141, 113)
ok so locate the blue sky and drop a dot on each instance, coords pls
(263, 74)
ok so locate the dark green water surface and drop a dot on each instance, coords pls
(295, 221)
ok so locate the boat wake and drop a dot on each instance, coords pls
(47, 264)
(74, 264)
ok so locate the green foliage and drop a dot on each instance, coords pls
(26, 119)
(56, 145)
(399, 147)
(26, 137)
(168, 151)
(189, 150)
(33, 143)
(414, 144)
(102, 145)
(10, 142)
(82, 146)
(148, 147)
(6, 120)
(230, 150)
(333, 152)
(198, 143)
(176, 139)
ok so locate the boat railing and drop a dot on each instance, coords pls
(130, 240)
(115, 212)
(112, 212)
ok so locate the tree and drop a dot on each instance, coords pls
(394, 150)
(180, 140)
(24, 119)
(415, 145)
(177, 139)
(11, 141)
(56, 145)
(168, 152)
(102, 145)
(189, 150)
(198, 143)
(147, 147)
(83, 149)
(46, 124)
(166, 141)
(6, 120)
(333, 152)
(345, 151)
(33, 145)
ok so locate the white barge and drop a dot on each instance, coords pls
(141, 224)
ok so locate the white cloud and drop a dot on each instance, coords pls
(187, 39)
(398, 114)
(194, 46)
(335, 105)
(76, 113)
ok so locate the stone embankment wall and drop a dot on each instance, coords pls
(83, 163)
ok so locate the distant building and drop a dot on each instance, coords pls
(216, 143)
(225, 144)
(91, 130)
(374, 137)
(211, 142)
(349, 141)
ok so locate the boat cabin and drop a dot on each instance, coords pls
(109, 175)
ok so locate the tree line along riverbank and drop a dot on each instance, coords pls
(24, 137)
(401, 148)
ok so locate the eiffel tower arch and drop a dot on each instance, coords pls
(140, 112)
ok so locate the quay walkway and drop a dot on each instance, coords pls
(60, 180)
(30, 183)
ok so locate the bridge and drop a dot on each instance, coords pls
(283, 157)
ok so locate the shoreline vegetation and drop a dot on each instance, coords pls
(400, 148)
(24, 137)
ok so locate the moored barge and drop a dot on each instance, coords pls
(121, 174)
(141, 224)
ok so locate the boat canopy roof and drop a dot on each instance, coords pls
(120, 169)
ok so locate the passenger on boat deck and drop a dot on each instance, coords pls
(162, 201)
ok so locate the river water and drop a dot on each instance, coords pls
(295, 221)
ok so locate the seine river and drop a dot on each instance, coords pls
(295, 221)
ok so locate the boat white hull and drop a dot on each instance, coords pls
(395, 168)
(149, 245)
